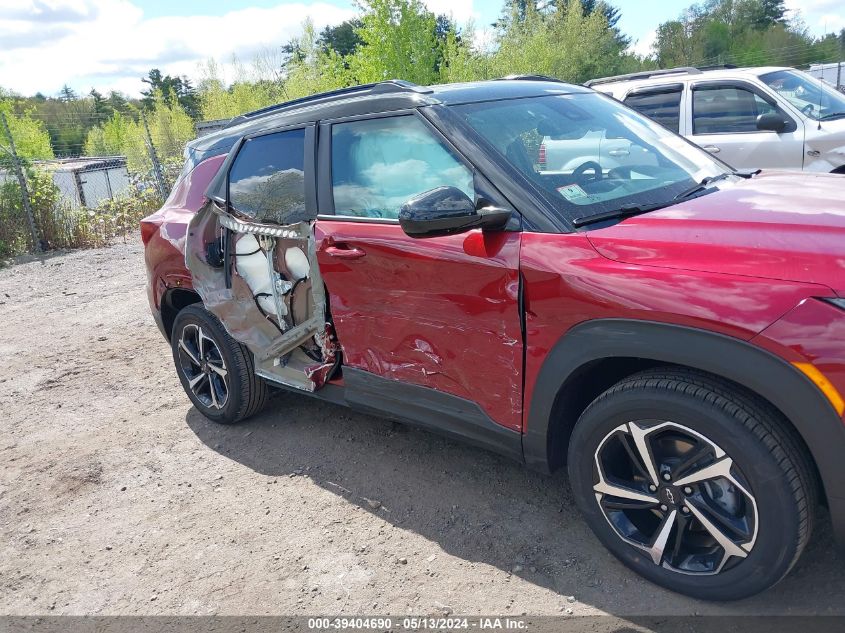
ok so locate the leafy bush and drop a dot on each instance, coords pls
(14, 229)
(61, 225)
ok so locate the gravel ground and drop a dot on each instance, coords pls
(117, 497)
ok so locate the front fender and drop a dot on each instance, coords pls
(756, 369)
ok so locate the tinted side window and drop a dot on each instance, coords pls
(377, 164)
(663, 107)
(267, 179)
(726, 110)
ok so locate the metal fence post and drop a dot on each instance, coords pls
(159, 177)
(27, 205)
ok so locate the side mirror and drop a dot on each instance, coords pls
(446, 211)
(771, 122)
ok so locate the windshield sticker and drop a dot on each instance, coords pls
(576, 195)
(572, 192)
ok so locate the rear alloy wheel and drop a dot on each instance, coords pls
(203, 366)
(215, 370)
(696, 485)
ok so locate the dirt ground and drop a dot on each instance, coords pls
(117, 497)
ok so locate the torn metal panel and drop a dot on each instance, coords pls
(275, 301)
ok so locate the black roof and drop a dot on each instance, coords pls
(384, 96)
(508, 88)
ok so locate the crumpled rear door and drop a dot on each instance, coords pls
(252, 257)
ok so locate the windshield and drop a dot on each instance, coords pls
(590, 154)
(813, 97)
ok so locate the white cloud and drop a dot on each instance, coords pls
(460, 10)
(831, 22)
(820, 16)
(109, 44)
(643, 45)
(811, 5)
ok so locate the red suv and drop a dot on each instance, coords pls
(670, 330)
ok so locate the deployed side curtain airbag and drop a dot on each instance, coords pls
(251, 264)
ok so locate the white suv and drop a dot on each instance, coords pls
(748, 117)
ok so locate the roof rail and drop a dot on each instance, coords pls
(387, 86)
(529, 78)
(682, 70)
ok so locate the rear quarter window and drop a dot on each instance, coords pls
(661, 106)
(267, 178)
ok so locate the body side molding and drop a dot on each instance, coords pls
(430, 409)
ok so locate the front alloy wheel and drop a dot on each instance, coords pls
(676, 495)
(694, 483)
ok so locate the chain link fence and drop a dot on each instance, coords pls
(75, 202)
(833, 73)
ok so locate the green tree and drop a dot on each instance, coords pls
(514, 12)
(567, 44)
(742, 32)
(220, 102)
(770, 13)
(460, 61)
(672, 45)
(110, 138)
(171, 127)
(315, 69)
(167, 87)
(398, 41)
(32, 141)
(118, 103)
(612, 15)
(564, 39)
(99, 106)
(445, 29)
(67, 94)
(343, 39)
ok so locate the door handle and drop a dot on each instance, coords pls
(711, 148)
(344, 252)
(619, 152)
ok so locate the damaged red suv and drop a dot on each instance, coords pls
(669, 330)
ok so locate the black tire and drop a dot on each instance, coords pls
(767, 457)
(246, 393)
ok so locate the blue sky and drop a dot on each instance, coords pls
(637, 22)
(639, 17)
(111, 44)
(635, 19)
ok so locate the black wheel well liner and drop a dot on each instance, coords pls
(596, 354)
(838, 170)
(173, 301)
(585, 384)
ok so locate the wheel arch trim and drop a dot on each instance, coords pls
(754, 368)
(168, 308)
